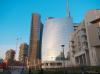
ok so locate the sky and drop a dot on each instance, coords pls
(15, 17)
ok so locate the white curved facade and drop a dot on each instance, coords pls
(56, 33)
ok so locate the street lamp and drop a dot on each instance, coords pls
(63, 58)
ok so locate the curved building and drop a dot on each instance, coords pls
(56, 33)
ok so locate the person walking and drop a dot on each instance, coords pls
(22, 71)
(30, 71)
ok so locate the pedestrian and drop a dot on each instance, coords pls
(22, 71)
(41, 72)
(30, 71)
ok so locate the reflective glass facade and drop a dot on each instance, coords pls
(56, 33)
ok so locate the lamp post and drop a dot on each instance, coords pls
(63, 58)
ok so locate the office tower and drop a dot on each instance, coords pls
(23, 53)
(55, 34)
(35, 41)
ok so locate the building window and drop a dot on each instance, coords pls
(77, 60)
(84, 59)
(83, 30)
(99, 24)
(99, 37)
(81, 60)
(98, 29)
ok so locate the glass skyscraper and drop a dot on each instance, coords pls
(56, 33)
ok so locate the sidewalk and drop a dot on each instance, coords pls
(17, 71)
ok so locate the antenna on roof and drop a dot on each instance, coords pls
(68, 11)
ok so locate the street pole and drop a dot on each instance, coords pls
(63, 58)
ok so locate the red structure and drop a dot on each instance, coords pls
(3, 65)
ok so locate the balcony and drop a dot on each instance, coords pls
(83, 32)
(85, 48)
(72, 46)
(73, 51)
(84, 40)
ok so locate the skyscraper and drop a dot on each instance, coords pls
(55, 34)
(35, 41)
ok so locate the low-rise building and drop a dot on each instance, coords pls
(92, 24)
(52, 64)
(85, 41)
(10, 57)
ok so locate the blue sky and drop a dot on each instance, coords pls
(15, 17)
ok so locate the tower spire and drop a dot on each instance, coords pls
(68, 11)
